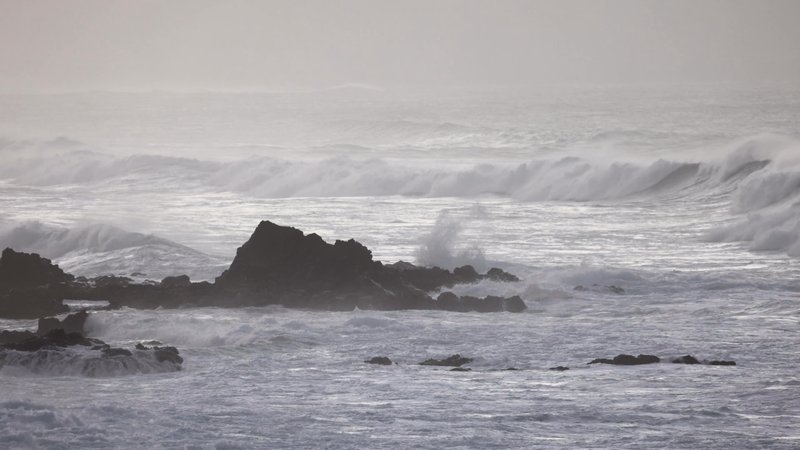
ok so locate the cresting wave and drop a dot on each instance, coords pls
(570, 178)
(757, 179)
(102, 249)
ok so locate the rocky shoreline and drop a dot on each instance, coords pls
(278, 265)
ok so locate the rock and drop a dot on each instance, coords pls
(466, 274)
(73, 323)
(28, 270)
(170, 354)
(496, 274)
(722, 363)
(628, 360)
(452, 361)
(514, 304)
(510, 368)
(616, 289)
(381, 360)
(449, 301)
(55, 338)
(559, 368)
(111, 281)
(461, 369)
(687, 359)
(110, 352)
(179, 281)
(30, 286)
(13, 337)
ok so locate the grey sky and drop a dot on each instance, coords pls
(142, 44)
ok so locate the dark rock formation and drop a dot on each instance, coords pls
(628, 360)
(277, 266)
(559, 368)
(461, 369)
(55, 338)
(687, 359)
(30, 286)
(722, 363)
(180, 281)
(381, 360)
(73, 323)
(451, 361)
(28, 270)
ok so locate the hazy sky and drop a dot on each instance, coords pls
(231, 44)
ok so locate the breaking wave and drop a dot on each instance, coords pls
(100, 249)
(82, 362)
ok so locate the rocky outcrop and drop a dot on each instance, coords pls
(686, 359)
(30, 286)
(451, 361)
(380, 360)
(278, 265)
(628, 360)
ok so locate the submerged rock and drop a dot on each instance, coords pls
(56, 353)
(381, 360)
(722, 363)
(687, 359)
(559, 368)
(461, 369)
(451, 361)
(628, 360)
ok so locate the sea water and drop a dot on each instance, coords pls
(657, 220)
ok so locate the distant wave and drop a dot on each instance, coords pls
(570, 178)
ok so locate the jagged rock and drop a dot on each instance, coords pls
(116, 352)
(73, 323)
(449, 301)
(452, 361)
(55, 338)
(722, 363)
(170, 354)
(180, 281)
(628, 360)
(277, 265)
(381, 360)
(27, 270)
(559, 368)
(514, 304)
(13, 337)
(497, 274)
(30, 286)
(687, 359)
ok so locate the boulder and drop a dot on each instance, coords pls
(380, 360)
(722, 363)
(628, 360)
(559, 368)
(496, 274)
(180, 281)
(73, 323)
(687, 359)
(451, 361)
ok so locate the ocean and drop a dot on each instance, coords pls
(645, 219)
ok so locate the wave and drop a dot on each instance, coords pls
(571, 178)
(100, 249)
